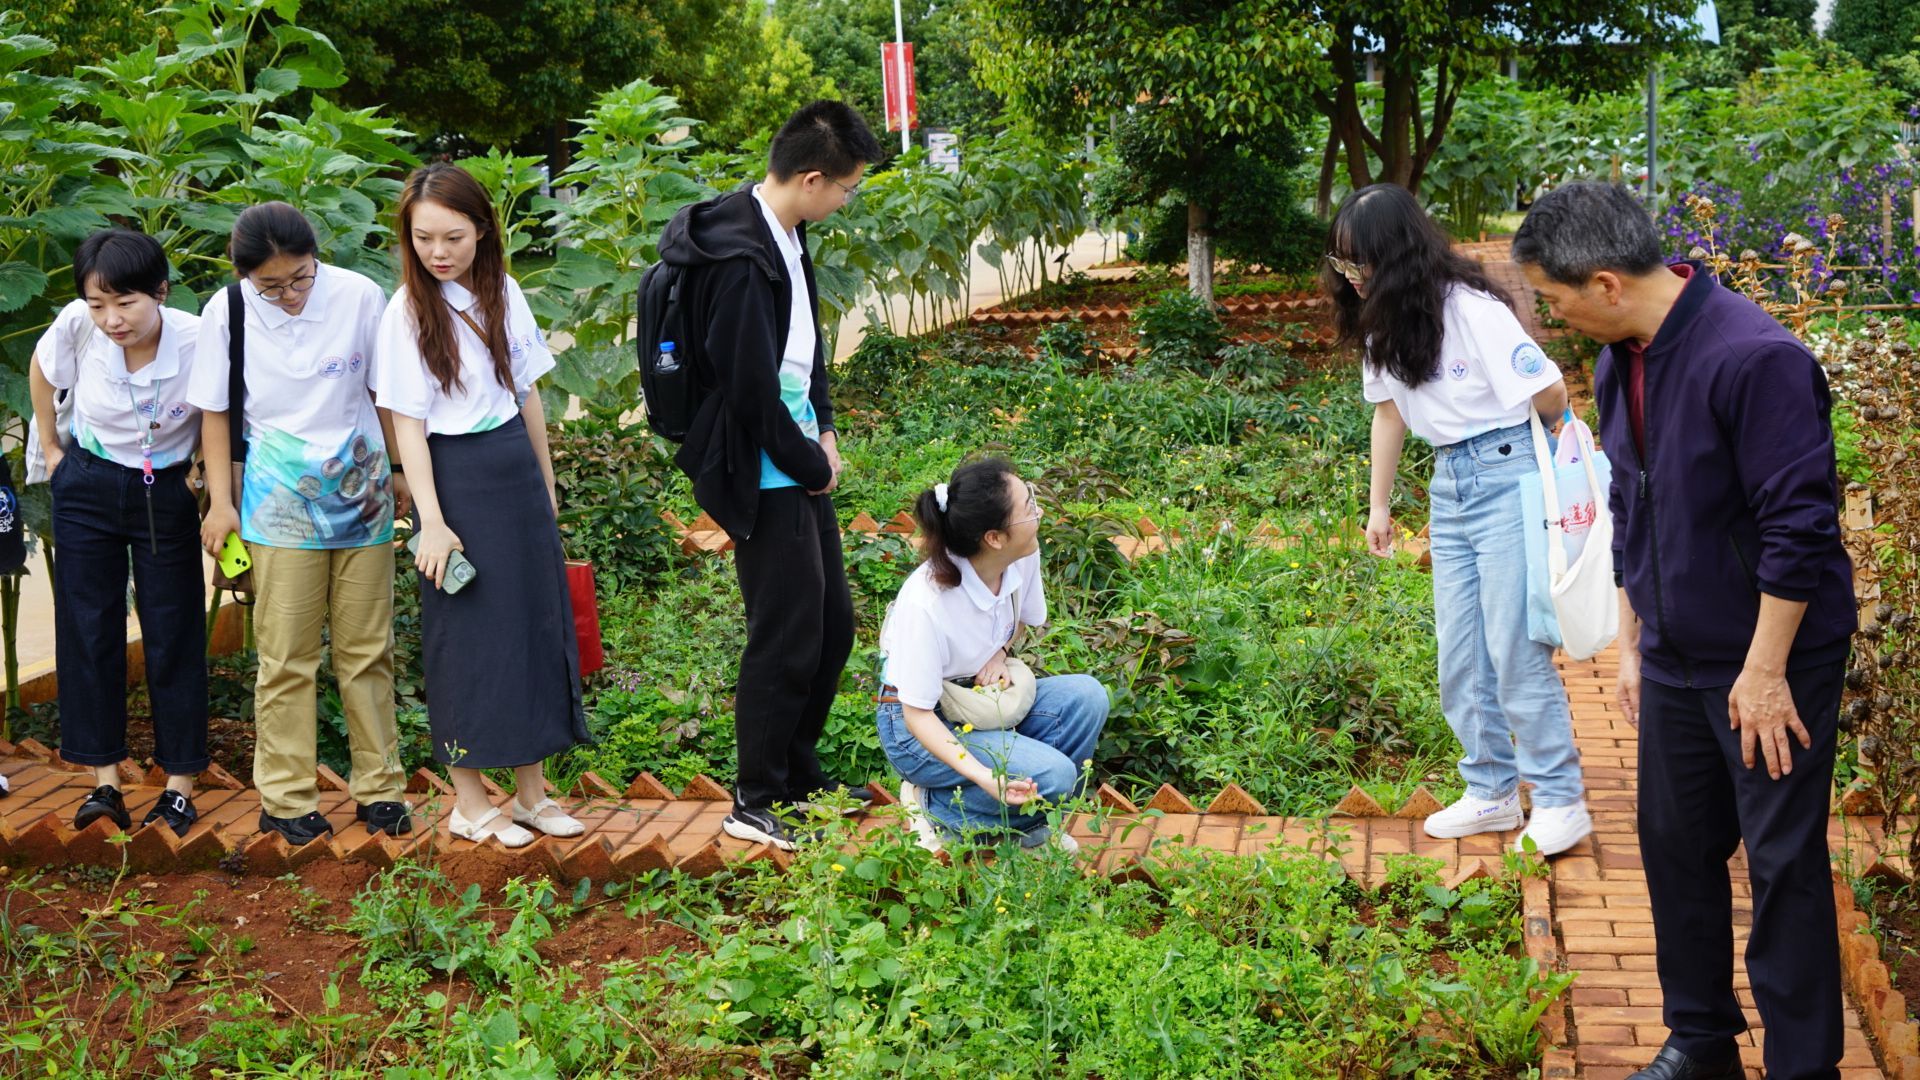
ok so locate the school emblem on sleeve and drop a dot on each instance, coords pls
(1457, 369)
(1529, 361)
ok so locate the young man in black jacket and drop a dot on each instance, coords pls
(762, 452)
(1736, 613)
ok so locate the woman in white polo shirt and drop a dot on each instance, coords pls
(954, 619)
(459, 355)
(120, 493)
(316, 510)
(1446, 358)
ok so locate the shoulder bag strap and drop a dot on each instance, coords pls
(236, 375)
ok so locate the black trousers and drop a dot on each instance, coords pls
(1697, 802)
(99, 520)
(799, 634)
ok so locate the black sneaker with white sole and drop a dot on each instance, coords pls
(175, 809)
(862, 797)
(761, 827)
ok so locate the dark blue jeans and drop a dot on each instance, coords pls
(99, 521)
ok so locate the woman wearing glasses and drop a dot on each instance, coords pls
(1446, 358)
(316, 508)
(955, 619)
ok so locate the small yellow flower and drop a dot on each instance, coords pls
(1295, 565)
(724, 1006)
(963, 755)
(839, 869)
(967, 729)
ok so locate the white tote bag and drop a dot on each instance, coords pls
(1584, 599)
(37, 472)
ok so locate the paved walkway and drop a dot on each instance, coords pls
(1600, 905)
(1597, 920)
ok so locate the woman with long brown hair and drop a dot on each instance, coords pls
(459, 353)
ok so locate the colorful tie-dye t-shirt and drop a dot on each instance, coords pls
(317, 474)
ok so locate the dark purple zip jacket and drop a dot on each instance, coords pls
(1736, 495)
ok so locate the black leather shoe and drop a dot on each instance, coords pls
(105, 802)
(1671, 1064)
(392, 818)
(175, 809)
(304, 829)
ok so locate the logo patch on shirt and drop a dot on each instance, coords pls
(354, 365)
(1457, 369)
(1528, 360)
(333, 367)
(515, 347)
(150, 409)
(178, 412)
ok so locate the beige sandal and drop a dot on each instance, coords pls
(548, 817)
(513, 836)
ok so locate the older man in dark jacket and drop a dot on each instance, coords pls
(1737, 610)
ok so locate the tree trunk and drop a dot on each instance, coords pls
(1323, 204)
(1199, 252)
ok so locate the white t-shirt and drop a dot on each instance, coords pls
(1489, 370)
(796, 363)
(317, 473)
(112, 409)
(933, 634)
(405, 386)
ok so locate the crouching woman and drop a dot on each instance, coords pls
(981, 745)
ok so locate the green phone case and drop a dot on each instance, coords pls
(459, 571)
(234, 559)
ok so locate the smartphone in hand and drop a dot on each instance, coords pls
(459, 573)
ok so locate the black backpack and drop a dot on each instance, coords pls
(669, 378)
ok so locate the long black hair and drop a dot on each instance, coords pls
(978, 502)
(1398, 325)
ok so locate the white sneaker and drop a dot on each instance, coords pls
(546, 816)
(480, 831)
(1554, 829)
(925, 832)
(1470, 816)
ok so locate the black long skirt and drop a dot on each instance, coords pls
(502, 664)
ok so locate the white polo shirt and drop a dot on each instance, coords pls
(112, 408)
(405, 386)
(933, 634)
(796, 362)
(317, 474)
(1489, 371)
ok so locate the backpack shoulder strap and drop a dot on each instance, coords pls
(236, 375)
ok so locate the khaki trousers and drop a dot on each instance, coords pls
(350, 592)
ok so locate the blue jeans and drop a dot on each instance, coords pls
(1498, 687)
(1051, 747)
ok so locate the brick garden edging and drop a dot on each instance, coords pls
(1882, 1008)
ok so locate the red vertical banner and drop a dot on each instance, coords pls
(890, 69)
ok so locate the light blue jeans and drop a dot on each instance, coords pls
(1052, 747)
(1498, 687)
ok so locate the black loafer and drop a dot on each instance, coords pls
(392, 818)
(304, 829)
(1671, 1064)
(175, 809)
(105, 802)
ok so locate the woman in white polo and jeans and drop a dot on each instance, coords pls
(954, 619)
(1446, 358)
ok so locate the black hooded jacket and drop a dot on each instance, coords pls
(735, 296)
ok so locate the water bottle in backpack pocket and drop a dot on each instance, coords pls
(669, 382)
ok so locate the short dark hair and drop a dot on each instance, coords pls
(268, 229)
(124, 261)
(1577, 230)
(826, 137)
